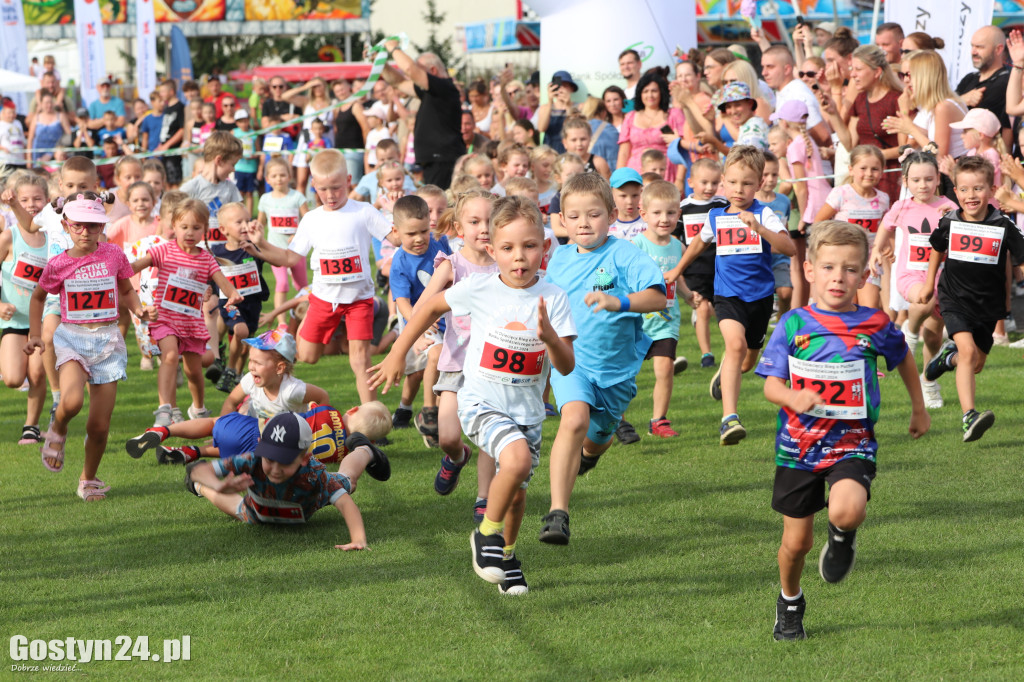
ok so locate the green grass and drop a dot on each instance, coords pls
(671, 573)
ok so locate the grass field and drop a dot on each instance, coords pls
(671, 573)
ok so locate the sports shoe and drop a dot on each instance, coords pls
(587, 463)
(185, 455)
(716, 385)
(940, 363)
(976, 423)
(479, 509)
(1011, 324)
(1018, 289)
(163, 416)
(732, 431)
(189, 484)
(426, 421)
(193, 413)
(514, 583)
(549, 410)
(136, 447)
(911, 337)
(401, 419)
(932, 394)
(488, 556)
(707, 360)
(1019, 343)
(679, 365)
(447, 478)
(661, 427)
(789, 619)
(555, 530)
(214, 371)
(626, 433)
(228, 381)
(176, 417)
(838, 554)
(379, 467)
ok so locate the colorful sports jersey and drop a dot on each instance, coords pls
(835, 355)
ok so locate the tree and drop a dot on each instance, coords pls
(442, 48)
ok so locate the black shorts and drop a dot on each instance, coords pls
(797, 234)
(18, 331)
(799, 494)
(980, 330)
(753, 315)
(702, 284)
(172, 167)
(662, 348)
(243, 314)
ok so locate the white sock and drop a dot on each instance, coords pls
(798, 595)
(403, 406)
(198, 409)
(163, 405)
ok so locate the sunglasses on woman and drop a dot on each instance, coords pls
(807, 74)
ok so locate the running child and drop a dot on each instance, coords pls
(972, 287)
(861, 203)
(745, 234)
(280, 211)
(90, 278)
(249, 165)
(829, 410)
(127, 171)
(513, 162)
(914, 219)
(627, 185)
(185, 270)
(577, 139)
(501, 407)
(610, 284)
(140, 222)
(212, 187)
(782, 206)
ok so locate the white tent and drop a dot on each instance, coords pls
(12, 81)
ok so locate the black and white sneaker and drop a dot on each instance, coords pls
(679, 365)
(716, 384)
(975, 424)
(488, 556)
(401, 419)
(789, 619)
(189, 484)
(587, 463)
(626, 434)
(514, 583)
(838, 554)
(147, 440)
(379, 467)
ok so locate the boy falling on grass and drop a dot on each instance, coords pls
(828, 353)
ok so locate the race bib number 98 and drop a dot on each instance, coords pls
(974, 242)
(840, 385)
(513, 358)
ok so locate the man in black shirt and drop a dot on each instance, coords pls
(277, 106)
(172, 131)
(437, 135)
(986, 87)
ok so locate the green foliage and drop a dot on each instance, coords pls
(443, 48)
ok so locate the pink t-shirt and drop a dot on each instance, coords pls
(642, 139)
(88, 285)
(118, 209)
(456, 329)
(915, 222)
(863, 211)
(181, 285)
(817, 190)
(127, 231)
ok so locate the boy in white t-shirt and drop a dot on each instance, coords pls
(339, 233)
(501, 407)
(627, 185)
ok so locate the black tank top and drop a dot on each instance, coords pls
(348, 134)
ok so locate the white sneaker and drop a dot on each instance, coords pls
(176, 417)
(146, 364)
(163, 416)
(1011, 324)
(193, 413)
(912, 338)
(932, 394)
(1019, 343)
(1000, 340)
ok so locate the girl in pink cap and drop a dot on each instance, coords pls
(89, 278)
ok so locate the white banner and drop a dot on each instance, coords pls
(13, 46)
(89, 27)
(145, 57)
(955, 21)
(596, 31)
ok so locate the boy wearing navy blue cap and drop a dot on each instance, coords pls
(283, 484)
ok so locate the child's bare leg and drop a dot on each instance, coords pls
(97, 427)
(354, 464)
(50, 323)
(968, 361)
(193, 429)
(430, 375)
(236, 355)
(411, 386)
(797, 540)
(279, 298)
(226, 502)
(785, 295)
(36, 389)
(847, 504)
(565, 452)
(72, 395)
(734, 334)
(449, 430)
(484, 473)
(663, 376)
(359, 360)
(513, 468)
(931, 334)
(309, 352)
(703, 328)
(514, 516)
(167, 375)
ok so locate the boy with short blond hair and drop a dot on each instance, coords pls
(220, 154)
(828, 353)
(654, 161)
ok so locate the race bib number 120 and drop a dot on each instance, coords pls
(840, 385)
(183, 295)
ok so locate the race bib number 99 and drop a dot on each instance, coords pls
(692, 225)
(974, 242)
(840, 385)
(735, 238)
(91, 300)
(513, 358)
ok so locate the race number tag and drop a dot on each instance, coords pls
(284, 223)
(340, 266)
(840, 385)
(867, 219)
(244, 277)
(974, 242)
(735, 238)
(183, 295)
(919, 251)
(670, 293)
(692, 225)
(275, 511)
(273, 143)
(513, 358)
(91, 300)
(27, 270)
(196, 136)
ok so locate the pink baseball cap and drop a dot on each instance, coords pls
(83, 210)
(792, 110)
(982, 120)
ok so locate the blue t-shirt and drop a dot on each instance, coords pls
(610, 346)
(743, 260)
(410, 274)
(152, 125)
(368, 185)
(607, 144)
(104, 133)
(241, 257)
(98, 108)
(836, 355)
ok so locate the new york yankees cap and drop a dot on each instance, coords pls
(285, 437)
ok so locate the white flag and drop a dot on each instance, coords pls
(13, 46)
(145, 59)
(89, 27)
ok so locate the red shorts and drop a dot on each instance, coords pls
(323, 318)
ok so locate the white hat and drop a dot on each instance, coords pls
(378, 110)
(240, 114)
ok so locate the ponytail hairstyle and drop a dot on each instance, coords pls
(915, 157)
(195, 208)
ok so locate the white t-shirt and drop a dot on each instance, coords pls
(12, 138)
(797, 89)
(291, 397)
(511, 375)
(374, 138)
(341, 242)
(627, 231)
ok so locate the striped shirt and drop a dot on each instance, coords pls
(185, 277)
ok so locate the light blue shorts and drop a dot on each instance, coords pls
(607, 405)
(101, 352)
(493, 431)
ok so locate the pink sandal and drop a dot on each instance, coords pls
(92, 491)
(53, 448)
